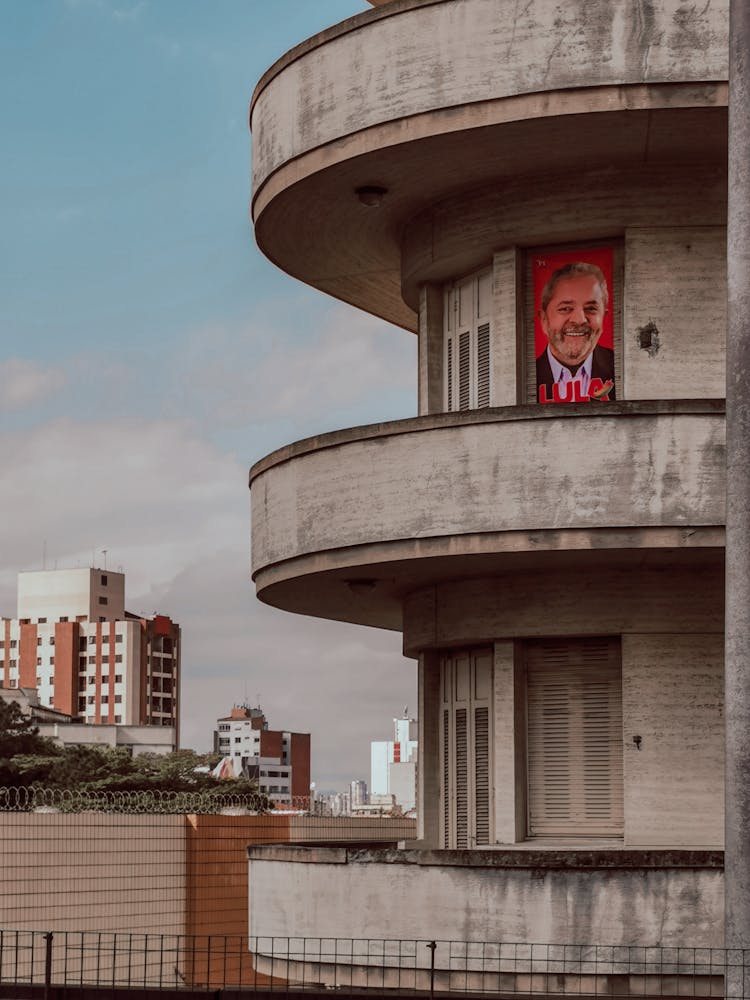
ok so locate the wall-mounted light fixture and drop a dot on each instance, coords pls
(371, 195)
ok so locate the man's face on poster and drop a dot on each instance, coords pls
(574, 318)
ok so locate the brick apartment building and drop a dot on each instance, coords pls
(279, 760)
(85, 655)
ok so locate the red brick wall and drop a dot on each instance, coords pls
(299, 758)
(66, 667)
(27, 649)
(271, 743)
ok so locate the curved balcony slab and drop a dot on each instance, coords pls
(345, 524)
(428, 97)
(667, 898)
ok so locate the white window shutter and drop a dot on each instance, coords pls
(574, 706)
(467, 338)
(466, 748)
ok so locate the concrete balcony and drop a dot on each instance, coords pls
(347, 525)
(670, 899)
(429, 98)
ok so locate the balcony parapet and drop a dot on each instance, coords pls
(666, 898)
(433, 493)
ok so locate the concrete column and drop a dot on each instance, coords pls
(428, 767)
(737, 660)
(507, 329)
(430, 349)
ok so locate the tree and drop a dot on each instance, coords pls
(19, 736)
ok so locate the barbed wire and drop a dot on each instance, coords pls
(73, 800)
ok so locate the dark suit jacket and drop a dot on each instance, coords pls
(602, 366)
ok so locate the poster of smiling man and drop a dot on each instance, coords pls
(573, 338)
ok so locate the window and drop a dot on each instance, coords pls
(39, 661)
(465, 739)
(2, 643)
(103, 600)
(82, 642)
(105, 699)
(63, 618)
(466, 351)
(118, 678)
(104, 579)
(105, 658)
(51, 660)
(12, 664)
(91, 699)
(118, 637)
(118, 719)
(105, 678)
(13, 682)
(38, 640)
(13, 643)
(42, 621)
(238, 739)
(81, 704)
(118, 657)
(574, 730)
(118, 699)
(92, 659)
(52, 640)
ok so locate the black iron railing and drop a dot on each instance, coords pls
(113, 960)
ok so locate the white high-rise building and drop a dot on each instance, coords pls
(393, 763)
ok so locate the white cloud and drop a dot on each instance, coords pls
(151, 492)
(23, 382)
(173, 511)
(268, 374)
(342, 683)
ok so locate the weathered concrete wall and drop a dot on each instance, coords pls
(676, 295)
(447, 476)
(607, 600)
(412, 58)
(672, 691)
(623, 901)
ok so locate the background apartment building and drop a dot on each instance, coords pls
(279, 760)
(86, 656)
(393, 764)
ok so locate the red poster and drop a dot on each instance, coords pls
(573, 339)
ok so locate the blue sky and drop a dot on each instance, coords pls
(143, 335)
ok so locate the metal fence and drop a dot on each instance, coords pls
(75, 862)
(198, 962)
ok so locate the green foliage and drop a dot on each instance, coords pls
(18, 737)
(28, 759)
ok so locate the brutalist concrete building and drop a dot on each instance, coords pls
(537, 191)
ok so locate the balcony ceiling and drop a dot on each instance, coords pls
(316, 229)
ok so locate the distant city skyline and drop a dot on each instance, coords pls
(143, 338)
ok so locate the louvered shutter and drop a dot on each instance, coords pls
(483, 365)
(466, 793)
(467, 343)
(482, 775)
(449, 374)
(574, 707)
(462, 780)
(464, 371)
